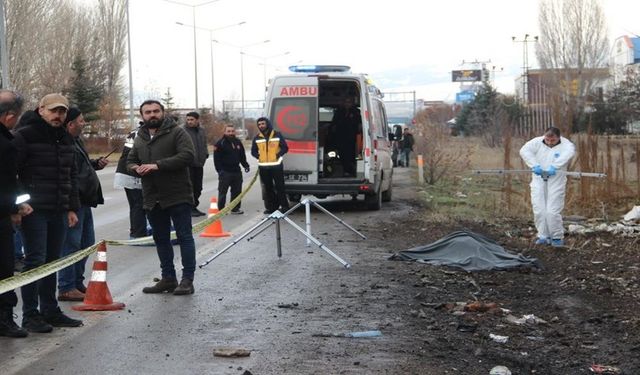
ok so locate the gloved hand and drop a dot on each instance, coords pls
(551, 171)
(246, 170)
(537, 170)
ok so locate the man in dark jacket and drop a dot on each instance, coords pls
(46, 170)
(346, 124)
(82, 235)
(228, 154)
(196, 170)
(407, 146)
(269, 146)
(10, 212)
(132, 184)
(162, 154)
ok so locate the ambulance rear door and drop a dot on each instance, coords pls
(293, 111)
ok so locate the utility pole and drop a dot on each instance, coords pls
(4, 54)
(525, 64)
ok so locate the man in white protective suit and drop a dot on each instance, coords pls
(548, 156)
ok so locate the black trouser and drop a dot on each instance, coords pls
(347, 152)
(137, 215)
(273, 180)
(196, 174)
(9, 299)
(228, 180)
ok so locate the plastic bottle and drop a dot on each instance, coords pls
(364, 334)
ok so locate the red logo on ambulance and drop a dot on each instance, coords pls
(299, 91)
(292, 119)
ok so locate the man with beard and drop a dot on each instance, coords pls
(269, 146)
(196, 170)
(162, 154)
(228, 153)
(47, 171)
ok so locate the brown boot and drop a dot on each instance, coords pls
(71, 295)
(164, 285)
(185, 287)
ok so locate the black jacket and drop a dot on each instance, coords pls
(89, 188)
(46, 168)
(8, 174)
(228, 154)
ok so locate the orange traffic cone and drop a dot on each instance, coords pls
(214, 229)
(98, 297)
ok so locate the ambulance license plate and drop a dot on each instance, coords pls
(296, 177)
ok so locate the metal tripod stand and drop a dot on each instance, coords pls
(275, 218)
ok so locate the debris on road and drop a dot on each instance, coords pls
(499, 339)
(374, 333)
(225, 351)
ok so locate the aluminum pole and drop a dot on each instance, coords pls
(131, 120)
(6, 81)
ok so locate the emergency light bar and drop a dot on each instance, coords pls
(319, 68)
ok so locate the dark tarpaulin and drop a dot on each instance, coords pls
(469, 251)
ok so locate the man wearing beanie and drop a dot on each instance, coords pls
(82, 235)
(47, 171)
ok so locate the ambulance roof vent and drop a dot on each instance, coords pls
(320, 68)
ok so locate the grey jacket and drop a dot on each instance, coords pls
(172, 150)
(199, 138)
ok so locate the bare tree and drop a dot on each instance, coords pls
(572, 43)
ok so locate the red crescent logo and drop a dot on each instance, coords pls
(291, 119)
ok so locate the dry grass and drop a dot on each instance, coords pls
(485, 196)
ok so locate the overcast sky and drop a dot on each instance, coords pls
(404, 45)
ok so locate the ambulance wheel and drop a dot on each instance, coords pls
(294, 198)
(386, 195)
(374, 201)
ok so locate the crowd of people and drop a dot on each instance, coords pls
(50, 186)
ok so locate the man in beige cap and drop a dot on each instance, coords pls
(46, 168)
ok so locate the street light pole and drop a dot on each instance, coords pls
(6, 82)
(264, 71)
(211, 40)
(242, 126)
(195, 45)
(131, 120)
(195, 55)
(525, 64)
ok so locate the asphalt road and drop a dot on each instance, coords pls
(247, 298)
(130, 268)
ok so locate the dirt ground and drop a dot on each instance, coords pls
(582, 307)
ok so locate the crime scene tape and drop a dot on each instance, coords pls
(44, 270)
(38, 273)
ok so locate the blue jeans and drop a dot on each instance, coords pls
(160, 220)
(78, 237)
(406, 156)
(43, 233)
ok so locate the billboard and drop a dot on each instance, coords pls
(466, 75)
(465, 96)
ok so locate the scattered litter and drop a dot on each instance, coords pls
(529, 319)
(478, 306)
(374, 333)
(288, 305)
(628, 228)
(605, 370)
(467, 327)
(499, 339)
(225, 351)
(500, 370)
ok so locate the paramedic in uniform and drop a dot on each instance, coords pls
(346, 124)
(268, 147)
(548, 156)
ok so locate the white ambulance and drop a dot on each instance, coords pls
(327, 154)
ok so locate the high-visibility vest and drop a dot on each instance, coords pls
(268, 150)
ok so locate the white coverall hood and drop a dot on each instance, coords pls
(547, 198)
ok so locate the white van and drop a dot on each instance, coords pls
(304, 106)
